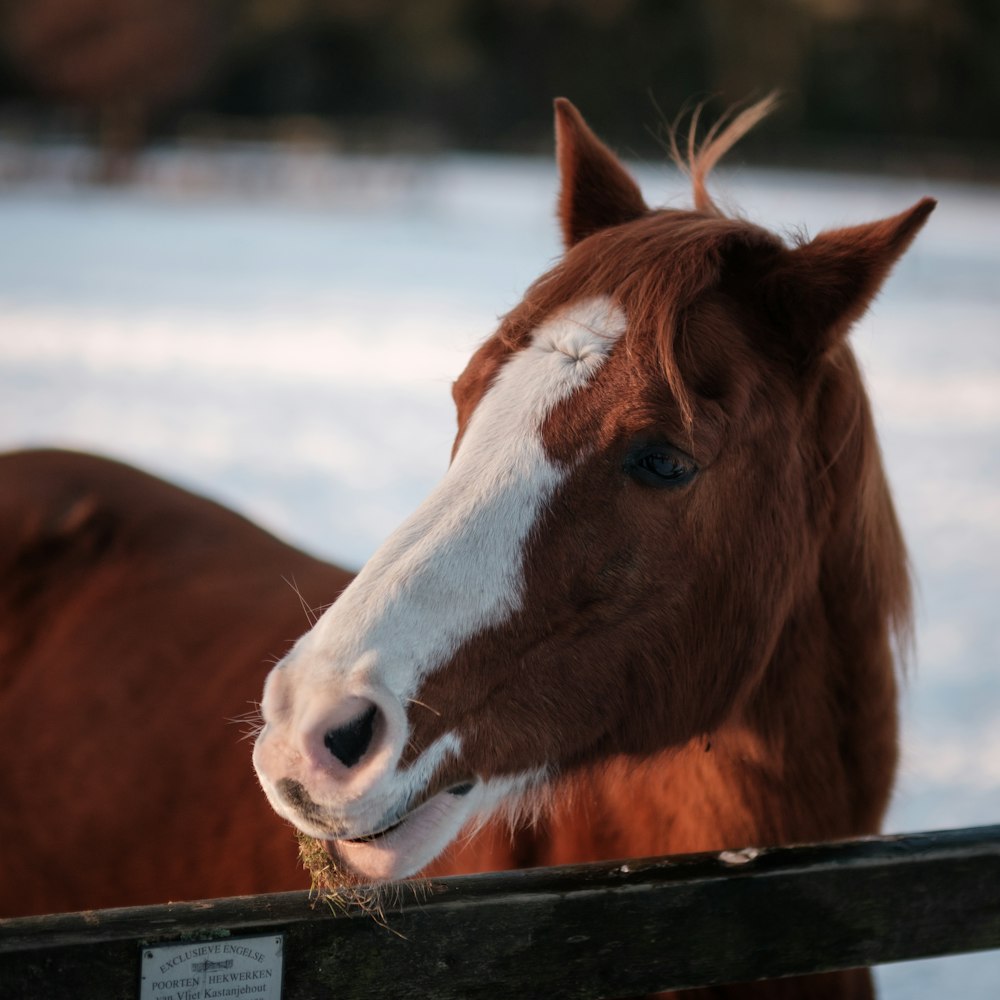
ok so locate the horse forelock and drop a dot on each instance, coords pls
(656, 268)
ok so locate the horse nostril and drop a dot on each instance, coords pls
(349, 742)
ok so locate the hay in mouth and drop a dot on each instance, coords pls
(339, 886)
(341, 890)
(330, 882)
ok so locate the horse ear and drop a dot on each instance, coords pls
(819, 289)
(596, 191)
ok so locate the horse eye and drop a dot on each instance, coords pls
(660, 466)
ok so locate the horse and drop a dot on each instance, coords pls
(135, 620)
(654, 604)
(651, 608)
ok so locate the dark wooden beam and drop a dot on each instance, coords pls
(586, 931)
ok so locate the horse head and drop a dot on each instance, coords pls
(664, 468)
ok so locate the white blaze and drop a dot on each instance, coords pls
(454, 567)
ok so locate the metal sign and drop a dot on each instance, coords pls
(225, 969)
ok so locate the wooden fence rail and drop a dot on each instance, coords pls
(599, 930)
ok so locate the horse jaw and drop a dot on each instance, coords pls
(411, 844)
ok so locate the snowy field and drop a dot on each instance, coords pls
(285, 343)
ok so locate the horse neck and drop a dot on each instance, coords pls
(811, 757)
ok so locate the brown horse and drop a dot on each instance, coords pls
(135, 619)
(654, 598)
(650, 608)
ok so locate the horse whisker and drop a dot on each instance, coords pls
(311, 616)
(422, 704)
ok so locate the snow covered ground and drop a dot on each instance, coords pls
(288, 349)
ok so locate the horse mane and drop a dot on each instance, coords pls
(698, 160)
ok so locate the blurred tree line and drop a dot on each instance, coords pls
(866, 82)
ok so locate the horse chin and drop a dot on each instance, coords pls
(408, 845)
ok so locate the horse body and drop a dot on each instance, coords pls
(650, 609)
(135, 620)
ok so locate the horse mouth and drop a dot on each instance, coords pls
(459, 791)
(409, 843)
